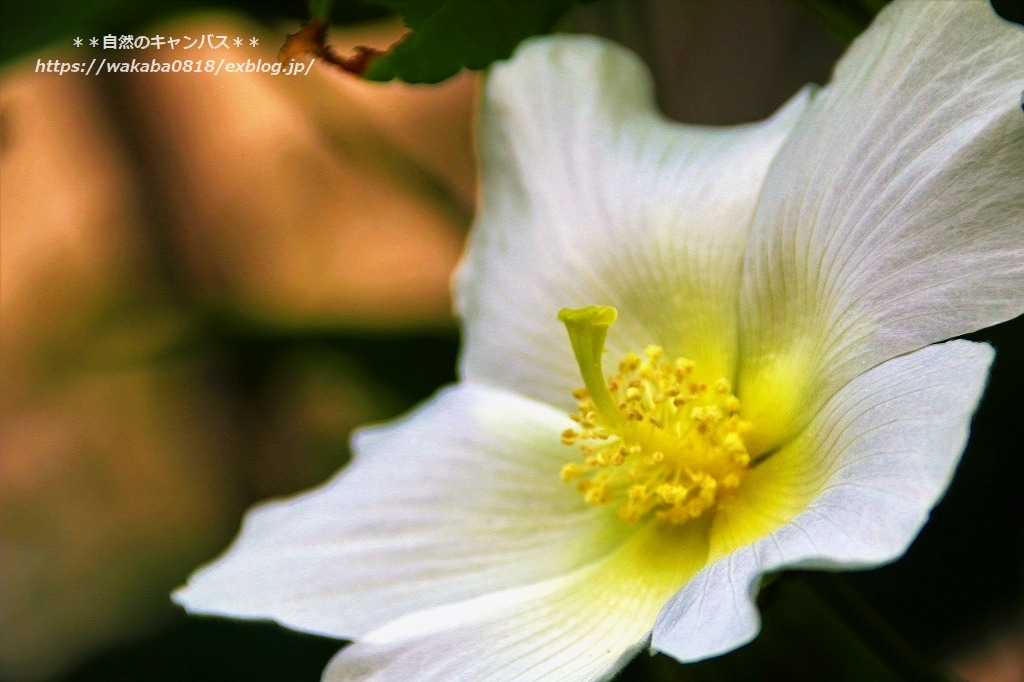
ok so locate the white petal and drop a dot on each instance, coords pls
(894, 215)
(590, 197)
(583, 626)
(459, 499)
(874, 462)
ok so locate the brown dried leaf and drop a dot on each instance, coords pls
(312, 39)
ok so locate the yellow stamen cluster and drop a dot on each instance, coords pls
(656, 441)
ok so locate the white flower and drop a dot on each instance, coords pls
(784, 279)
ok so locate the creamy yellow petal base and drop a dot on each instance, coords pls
(851, 491)
(774, 492)
(583, 626)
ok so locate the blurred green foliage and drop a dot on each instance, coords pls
(449, 35)
(446, 35)
(844, 19)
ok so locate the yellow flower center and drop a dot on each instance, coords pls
(654, 440)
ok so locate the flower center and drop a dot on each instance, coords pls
(654, 440)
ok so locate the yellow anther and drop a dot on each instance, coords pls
(570, 472)
(630, 363)
(629, 513)
(708, 487)
(637, 493)
(643, 452)
(671, 494)
(733, 444)
(597, 495)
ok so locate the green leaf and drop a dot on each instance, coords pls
(844, 19)
(450, 35)
(320, 9)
